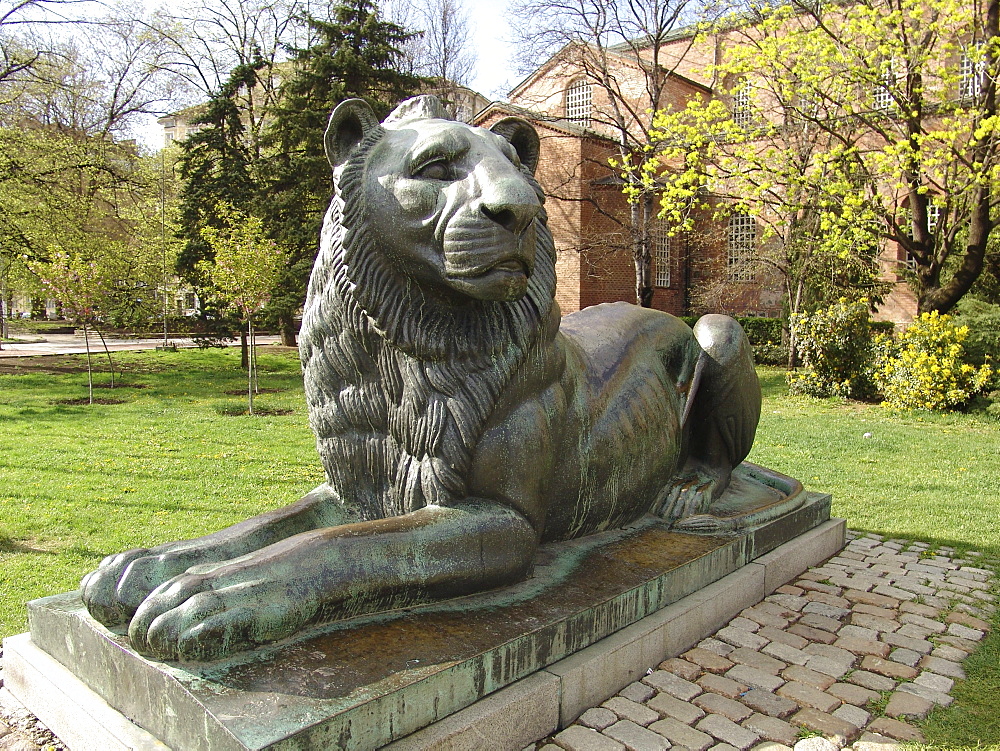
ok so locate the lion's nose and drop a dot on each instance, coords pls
(512, 217)
(512, 207)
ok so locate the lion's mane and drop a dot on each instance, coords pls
(399, 385)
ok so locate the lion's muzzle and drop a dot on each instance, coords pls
(511, 202)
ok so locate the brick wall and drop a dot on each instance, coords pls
(900, 305)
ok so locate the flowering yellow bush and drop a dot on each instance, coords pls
(926, 368)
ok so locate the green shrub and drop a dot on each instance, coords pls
(770, 353)
(835, 345)
(927, 367)
(983, 320)
(765, 338)
(761, 330)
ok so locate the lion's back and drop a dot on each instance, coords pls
(614, 336)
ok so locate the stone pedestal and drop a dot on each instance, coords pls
(596, 612)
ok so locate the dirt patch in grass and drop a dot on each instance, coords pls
(9, 545)
(242, 392)
(85, 400)
(41, 364)
(234, 410)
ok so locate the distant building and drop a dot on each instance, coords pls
(179, 125)
(462, 103)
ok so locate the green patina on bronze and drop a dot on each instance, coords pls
(382, 676)
(461, 421)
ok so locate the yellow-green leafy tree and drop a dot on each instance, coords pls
(246, 266)
(842, 126)
(80, 286)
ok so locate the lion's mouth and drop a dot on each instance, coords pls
(468, 265)
(513, 265)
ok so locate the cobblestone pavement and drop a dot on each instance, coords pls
(20, 730)
(853, 651)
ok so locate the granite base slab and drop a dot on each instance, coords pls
(368, 683)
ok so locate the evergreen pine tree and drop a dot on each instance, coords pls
(355, 54)
(216, 167)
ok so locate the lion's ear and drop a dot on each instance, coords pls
(350, 121)
(522, 136)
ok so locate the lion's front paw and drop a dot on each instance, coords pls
(100, 588)
(692, 492)
(687, 495)
(115, 590)
(209, 614)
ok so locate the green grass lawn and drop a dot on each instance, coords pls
(78, 482)
(926, 476)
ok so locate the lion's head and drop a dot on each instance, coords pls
(434, 280)
(449, 205)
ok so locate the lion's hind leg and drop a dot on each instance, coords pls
(720, 417)
(726, 404)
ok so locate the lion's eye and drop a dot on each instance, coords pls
(435, 170)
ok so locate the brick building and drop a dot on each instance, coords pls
(707, 269)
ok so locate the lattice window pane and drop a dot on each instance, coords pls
(742, 239)
(933, 216)
(742, 106)
(661, 254)
(882, 96)
(578, 102)
(971, 75)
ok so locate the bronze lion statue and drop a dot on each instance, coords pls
(460, 420)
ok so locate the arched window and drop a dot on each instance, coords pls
(578, 102)
(882, 96)
(971, 73)
(742, 105)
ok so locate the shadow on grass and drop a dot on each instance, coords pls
(82, 551)
(7, 545)
(772, 382)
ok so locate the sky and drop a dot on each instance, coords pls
(491, 30)
(494, 74)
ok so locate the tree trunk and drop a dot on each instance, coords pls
(794, 305)
(248, 336)
(640, 214)
(111, 363)
(90, 367)
(286, 328)
(942, 298)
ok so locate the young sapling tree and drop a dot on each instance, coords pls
(243, 273)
